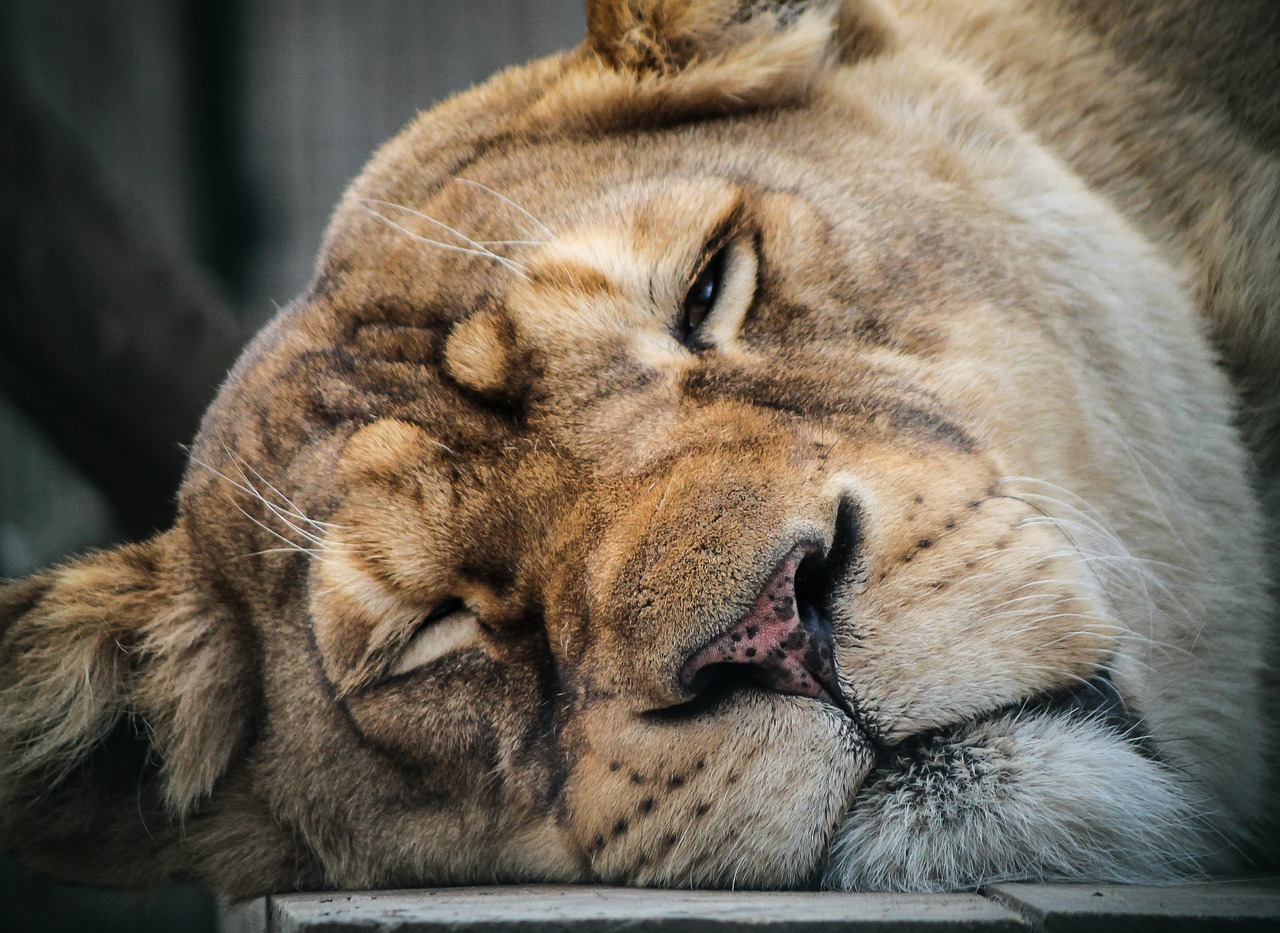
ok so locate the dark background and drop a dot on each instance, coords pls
(166, 171)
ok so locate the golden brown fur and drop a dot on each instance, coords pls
(464, 516)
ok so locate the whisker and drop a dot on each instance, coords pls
(293, 508)
(322, 545)
(276, 510)
(271, 531)
(248, 491)
(506, 200)
(429, 219)
(475, 249)
(294, 549)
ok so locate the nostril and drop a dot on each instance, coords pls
(812, 583)
(819, 572)
(846, 542)
(783, 642)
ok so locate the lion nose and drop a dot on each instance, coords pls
(783, 643)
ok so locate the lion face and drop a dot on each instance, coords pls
(661, 489)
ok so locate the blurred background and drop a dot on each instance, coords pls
(167, 168)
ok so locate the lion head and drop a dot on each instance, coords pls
(733, 452)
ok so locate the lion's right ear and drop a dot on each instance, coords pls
(668, 36)
(124, 647)
(650, 62)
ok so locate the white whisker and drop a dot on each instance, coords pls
(506, 200)
(293, 508)
(271, 531)
(475, 248)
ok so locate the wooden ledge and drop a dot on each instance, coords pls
(1245, 904)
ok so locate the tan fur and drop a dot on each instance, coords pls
(479, 356)
(462, 516)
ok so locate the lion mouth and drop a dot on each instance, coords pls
(724, 686)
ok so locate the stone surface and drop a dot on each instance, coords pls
(1219, 905)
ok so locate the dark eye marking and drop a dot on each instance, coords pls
(700, 299)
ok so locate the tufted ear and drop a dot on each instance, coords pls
(124, 694)
(668, 36)
(653, 62)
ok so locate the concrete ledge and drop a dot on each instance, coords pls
(1226, 905)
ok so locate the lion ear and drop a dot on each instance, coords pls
(122, 648)
(669, 36)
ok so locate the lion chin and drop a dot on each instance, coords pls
(773, 444)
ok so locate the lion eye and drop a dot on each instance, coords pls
(445, 629)
(446, 608)
(701, 298)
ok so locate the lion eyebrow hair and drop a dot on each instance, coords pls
(506, 200)
(475, 247)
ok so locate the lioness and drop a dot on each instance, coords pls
(772, 444)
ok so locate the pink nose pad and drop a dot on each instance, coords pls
(787, 645)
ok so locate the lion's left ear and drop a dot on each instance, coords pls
(668, 36)
(123, 648)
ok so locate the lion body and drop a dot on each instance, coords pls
(465, 520)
